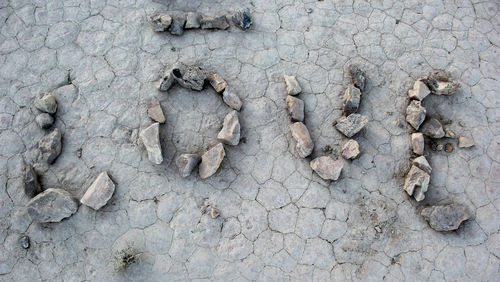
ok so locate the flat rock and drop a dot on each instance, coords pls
(46, 103)
(351, 124)
(186, 163)
(230, 132)
(166, 82)
(44, 120)
(214, 22)
(295, 108)
(211, 161)
(432, 128)
(52, 205)
(151, 139)
(192, 20)
(292, 85)
(190, 77)
(357, 77)
(465, 142)
(422, 163)
(440, 83)
(352, 98)
(350, 149)
(177, 26)
(327, 168)
(419, 91)
(99, 193)
(217, 82)
(31, 185)
(231, 99)
(154, 111)
(161, 22)
(416, 183)
(415, 114)
(417, 143)
(242, 19)
(49, 147)
(304, 144)
(446, 217)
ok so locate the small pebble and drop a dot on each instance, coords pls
(24, 242)
(448, 148)
(439, 147)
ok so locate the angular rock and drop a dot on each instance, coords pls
(177, 26)
(352, 98)
(49, 147)
(207, 208)
(416, 183)
(186, 163)
(422, 163)
(357, 77)
(31, 185)
(231, 99)
(432, 128)
(52, 205)
(214, 22)
(154, 111)
(419, 91)
(446, 217)
(327, 168)
(351, 124)
(350, 150)
(439, 83)
(304, 144)
(99, 193)
(230, 132)
(24, 242)
(166, 82)
(191, 77)
(417, 143)
(415, 114)
(465, 142)
(151, 139)
(44, 120)
(292, 85)
(295, 108)
(46, 103)
(211, 161)
(217, 82)
(160, 22)
(242, 19)
(192, 20)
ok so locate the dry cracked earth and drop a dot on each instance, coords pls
(278, 220)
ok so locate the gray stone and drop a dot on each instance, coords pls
(352, 98)
(357, 77)
(177, 26)
(46, 103)
(350, 149)
(231, 99)
(24, 241)
(432, 128)
(416, 183)
(422, 163)
(351, 124)
(465, 142)
(52, 205)
(327, 168)
(419, 91)
(190, 77)
(304, 145)
(192, 20)
(151, 139)
(154, 111)
(31, 185)
(440, 83)
(417, 143)
(446, 217)
(295, 108)
(415, 114)
(207, 208)
(214, 22)
(99, 193)
(292, 85)
(211, 161)
(186, 163)
(242, 19)
(49, 147)
(217, 82)
(166, 82)
(44, 120)
(160, 22)
(230, 132)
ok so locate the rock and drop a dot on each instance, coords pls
(351, 124)
(417, 143)
(213, 212)
(231, 99)
(52, 205)
(166, 82)
(327, 168)
(465, 142)
(217, 82)
(242, 19)
(99, 193)
(304, 144)
(151, 139)
(352, 98)
(192, 20)
(177, 26)
(350, 150)
(292, 85)
(161, 22)
(211, 161)
(154, 111)
(416, 183)
(448, 148)
(49, 147)
(207, 208)
(446, 217)
(230, 132)
(415, 114)
(357, 77)
(432, 128)
(46, 103)
(214, 22)
(44, 120)
(422, 163)
(191, 77)
(24, 242)
(419, 91)
(31, 185)
(295, 108)
(439, 83)
(186, 163)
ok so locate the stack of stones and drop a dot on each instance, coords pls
(177, 22)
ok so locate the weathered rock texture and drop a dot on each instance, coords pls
(52, 205)
(351, 124)
(433, 128)
(46, 102)
(49, 147)
(190, 77)
(350, 149)
(304, 145)
(154, 111)
(150, 137)
(415, 114)
(231, 99)
(327, 168)
(295, 108)
(446, 217)
(230, 132)
(440, 83)
(416, 183)
(31, 184)
(419, 91)
(292, 85)
(417, 143)
(186, 163)
(211, 161)
(352, 98)
(99, 193)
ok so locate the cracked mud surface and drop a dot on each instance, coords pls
(278, 220)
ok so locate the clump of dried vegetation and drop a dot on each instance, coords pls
(125, 257)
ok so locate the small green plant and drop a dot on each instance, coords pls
(125, 257)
